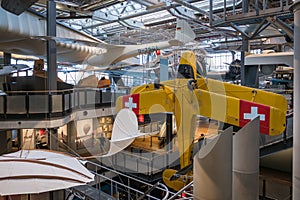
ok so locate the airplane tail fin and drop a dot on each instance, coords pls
(184, 33)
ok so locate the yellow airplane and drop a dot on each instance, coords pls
(190, 95)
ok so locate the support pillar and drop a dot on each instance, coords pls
(164, 73)
(3, 142)
(51, 46)
(245, 182)
(53, 145)
(169, 131)
(296, 124)
(245, 46)
(53, 141)
(6, 58)
(72, 135)
(6, 61)
(213, 169)
(52, 73)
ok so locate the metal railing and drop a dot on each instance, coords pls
(271, 144)
(49, 104)
(142, 162)
(119, 184)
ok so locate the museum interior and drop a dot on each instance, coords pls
(149, 99)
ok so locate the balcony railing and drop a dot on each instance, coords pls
(50, 104)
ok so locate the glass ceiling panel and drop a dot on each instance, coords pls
(154, 17)
(124, 8)
(217, 4)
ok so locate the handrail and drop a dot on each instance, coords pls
(191, 184)
(158, 186)
(54, 91)
(53, 103)
(142, 165)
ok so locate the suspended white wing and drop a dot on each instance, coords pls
(25, 35)
(125, 130)
(36, 171)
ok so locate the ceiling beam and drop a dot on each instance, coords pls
(282, 25)
(131, 16)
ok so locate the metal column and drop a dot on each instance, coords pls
(52, 73)
(296, 124)
(169, 131)
(164, 74)
(51, 46)
(6, 58)
(52, 139)
(245, 46)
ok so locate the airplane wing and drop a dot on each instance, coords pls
(117, 53)
(17, 7)
(217, 100)
(66, 52)
(8, 69)
(25, 34)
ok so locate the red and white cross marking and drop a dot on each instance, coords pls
(132, 102)
(254, 113)
(250, 110)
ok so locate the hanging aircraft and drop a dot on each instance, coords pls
(19, 6)
(25, 34)
(8, 69)
(190, 94)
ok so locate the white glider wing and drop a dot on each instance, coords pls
(25, 34)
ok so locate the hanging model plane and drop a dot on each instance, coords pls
(25, 34)
(19, 6)
(8, 69)
(190, 95)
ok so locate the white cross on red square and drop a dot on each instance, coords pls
(250, 110)
(253, 114)
(132, 102)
